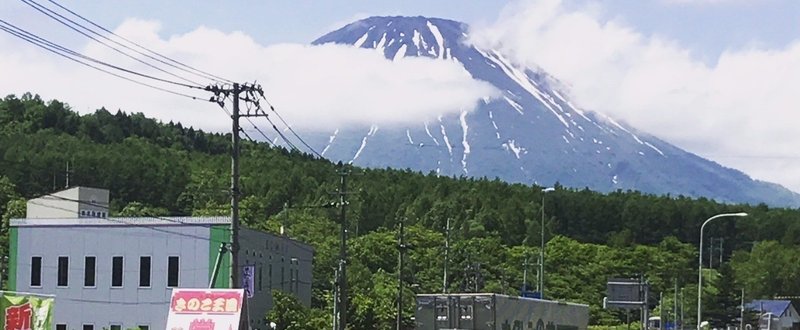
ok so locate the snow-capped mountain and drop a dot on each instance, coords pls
(532, 133)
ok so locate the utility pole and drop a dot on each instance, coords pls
(401, 246)
(675, 307)
(235, 189)
(67, 178)
(681, 308)
(341, 280)
(721, 239)
(741, 312)
(335, 299)
(661, 317)
(220, 94)
(711, 253)
(525, 274)
(285, 218)
(446, 255)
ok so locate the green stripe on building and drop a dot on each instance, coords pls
(12, 258)
(219, 234)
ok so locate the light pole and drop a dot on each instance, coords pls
(700, 262)
(541, 250)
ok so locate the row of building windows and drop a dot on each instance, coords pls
(63, 326)
(117, 271)
(294, 276)
(92, 213)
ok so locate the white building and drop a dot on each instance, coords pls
(118, 273)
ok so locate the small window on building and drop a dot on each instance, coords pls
(89, 271)
(36, 271)
(116, 272)
(115, 327)
(144, 272)
(88, 327)
(63, 271)
(61, 326)
(143, 327)
(173, 271)
(269, 280)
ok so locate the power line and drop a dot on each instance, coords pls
(289, 126)
(46, 11)
(154, 226)
(44, 44)
(188, 68)
(89, 58)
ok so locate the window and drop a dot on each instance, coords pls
(116, 272)
(36, 271)
(173, 271)
(260, 277)
(88, 327)
(144, 272)
(144, 327)
(61, 326)
(63, 271)
(269, 286)
(89, 271)
(115, 327)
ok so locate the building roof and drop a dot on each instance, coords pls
(120, 221)
(776, 307)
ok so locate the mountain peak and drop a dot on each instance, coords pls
(401, 36)
(532, 133)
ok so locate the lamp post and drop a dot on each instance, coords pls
(700, 262)
(541, 250)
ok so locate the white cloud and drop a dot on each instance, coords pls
(740, 111)
(708, 2)
(312, 86)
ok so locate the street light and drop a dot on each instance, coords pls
(700, 262)
(541, 250)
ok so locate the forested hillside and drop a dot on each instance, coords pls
(154, 168)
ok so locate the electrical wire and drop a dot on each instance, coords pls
(89, 58)
(299, 245)
(188, 68)
(35, 40)
(45, 10)
(289, 127)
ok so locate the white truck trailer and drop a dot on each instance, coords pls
(490, 311)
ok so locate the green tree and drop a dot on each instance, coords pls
(288, 313)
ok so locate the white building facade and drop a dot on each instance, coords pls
(118, 273)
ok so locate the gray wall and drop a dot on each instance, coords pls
(102, 306)
(262, 250)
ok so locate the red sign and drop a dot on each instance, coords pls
(18, 317)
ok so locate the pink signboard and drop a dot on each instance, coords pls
(205, 309)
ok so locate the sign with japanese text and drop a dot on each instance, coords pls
(205, 309)
(248, 280)
(21, 312)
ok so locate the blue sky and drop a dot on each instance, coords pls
(706, 26)
(715, 77)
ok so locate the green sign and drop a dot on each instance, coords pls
(23, 312)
